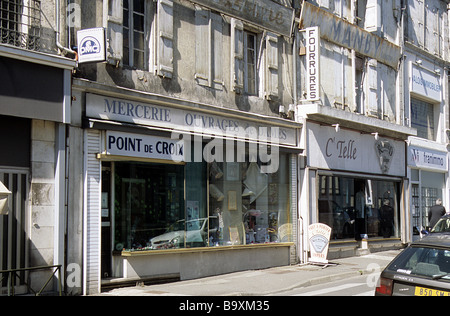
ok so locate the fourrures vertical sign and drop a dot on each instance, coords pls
(319, 240)
(312, 63)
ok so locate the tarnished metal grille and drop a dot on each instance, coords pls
(20, 23)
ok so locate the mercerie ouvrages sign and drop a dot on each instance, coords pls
(264, 13)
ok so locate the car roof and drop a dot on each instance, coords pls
(434, 240)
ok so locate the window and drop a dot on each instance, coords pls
(250, 55)
(423, 261)
(422, 118)
(166, 206)
(353, 207)
(254, 62)
(20, 23)
(134, 33)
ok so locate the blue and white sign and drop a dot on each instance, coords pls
(91, 45)
(426, 83)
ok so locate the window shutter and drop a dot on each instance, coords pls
(237, 55)
(114, 31)
(372, 89)
(165, 38)
(272, 66)
(202, 47)
(217, 46)
(373, 16)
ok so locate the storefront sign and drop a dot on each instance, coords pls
(319, 238)
(425, 83)
(91, 45)
(353, 151)
(265, 13)
(120, 110)
(312, 63)
(427, 158)
(144, 146)
(343, 33)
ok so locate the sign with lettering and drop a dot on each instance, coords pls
(354, 151)
(108, 108)
(91, 45)
(426, 83)
(312, 63)
(144, 146)
(346, 34)
(427, 158)
(319, 240)
(264, 13)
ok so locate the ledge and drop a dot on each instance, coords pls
(329, 115)
(137, 253)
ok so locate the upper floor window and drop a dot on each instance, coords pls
(20, 23)
(250, 55)
(134, 33)
(422, 118)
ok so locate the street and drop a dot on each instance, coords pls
(355, 286)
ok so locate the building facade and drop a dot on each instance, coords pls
(355, 124)
(35, 99)
(189, 169)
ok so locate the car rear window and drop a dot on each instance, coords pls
(423, 261)
(443, 226)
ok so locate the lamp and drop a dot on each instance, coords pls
(4, 195)
(419, 61)
(375, 135)
(337, 128)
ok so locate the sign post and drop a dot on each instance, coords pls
(319, 240)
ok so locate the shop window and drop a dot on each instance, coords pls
(149, 206)
(247, 205)
(355, 207)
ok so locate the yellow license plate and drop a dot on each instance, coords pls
(422, 291)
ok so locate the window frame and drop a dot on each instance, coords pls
(128, 14)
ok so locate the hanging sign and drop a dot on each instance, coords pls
(319, 240)
(312, 63)
(91, 45)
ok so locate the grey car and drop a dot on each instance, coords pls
(422, 269)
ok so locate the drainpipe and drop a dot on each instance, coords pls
(63, 49)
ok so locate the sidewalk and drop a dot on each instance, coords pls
(266, 281)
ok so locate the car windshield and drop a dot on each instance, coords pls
(442, 226)
(423, 261)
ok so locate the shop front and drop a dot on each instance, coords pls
(173, 192)
(356, 186)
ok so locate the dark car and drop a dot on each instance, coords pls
(422, 269)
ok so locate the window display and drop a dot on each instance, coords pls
(199, 204)
(250, 206)
(356, 207)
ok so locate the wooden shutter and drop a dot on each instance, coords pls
(271, 66)
(217, 47)
(165, 38)
(113, 11)
(202, 47)
(373, 16)
(372, 89)
(237, 55)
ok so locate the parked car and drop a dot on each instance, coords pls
(422, 269)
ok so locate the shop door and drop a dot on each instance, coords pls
(106, 251)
